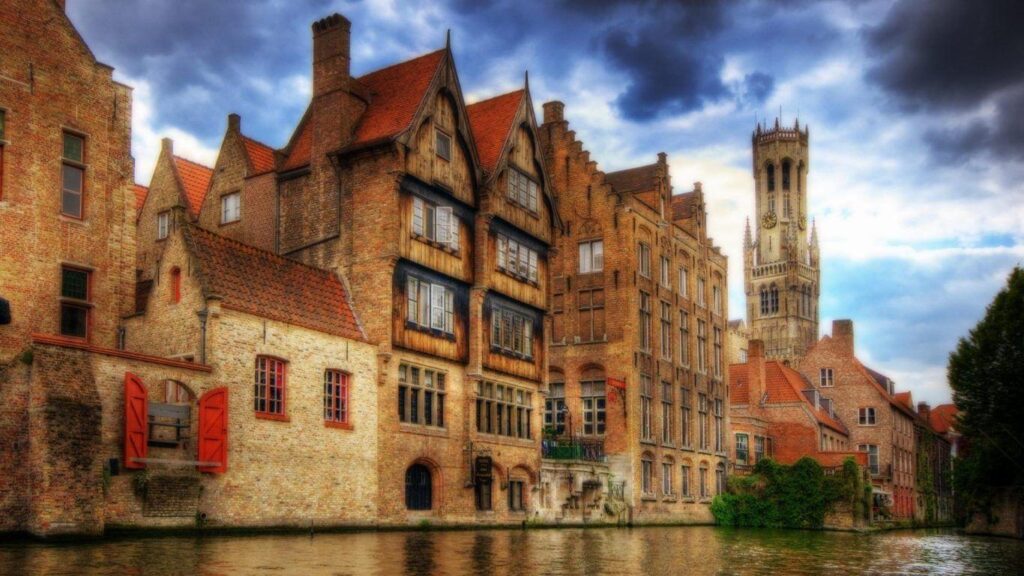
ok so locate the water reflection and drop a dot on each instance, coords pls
(697, 551)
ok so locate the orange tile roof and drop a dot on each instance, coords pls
(264, 284)
(878, 380)
(943, 418)
(491, 122)
(299, 154)
(196, 180)
(783, 385)
(261, 156)
(739, 389)
(632, 180)
(905, 399)
(140, 195)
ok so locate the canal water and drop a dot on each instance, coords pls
(589, 552)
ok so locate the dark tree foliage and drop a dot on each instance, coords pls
(986, 373)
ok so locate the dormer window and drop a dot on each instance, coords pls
(443, 145)
(435, 223)
(522, 190)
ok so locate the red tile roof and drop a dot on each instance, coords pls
(739, 389)
(395, 94)
(943, 418)
(905, 399)
(261, 156)
(264, 284)
(632, 180)
(783, 386)
(196, 180)
(140, 195)
(880, 382)
(491, 122)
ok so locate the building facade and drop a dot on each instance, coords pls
(782, 274)
(638, 332)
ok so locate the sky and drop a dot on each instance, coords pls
(916, 115)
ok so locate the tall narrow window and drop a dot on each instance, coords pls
(73, 176)
(666, 413)
(786, 167)
(3, 140)
(759, 448)
(646, 475)
(684, 280)
(774, 300)
(716, 299)
(702, 422)
(231, 207)
(770, 173)
(443, 145)
(666, 478)
(591, 256)
(591, 316)
(872, 450)
(720, 479)
(703, 481)
(592, 396)
(554, 408)
(718, 352)
(742, 448)
(684, 338)
(719, 426)
(516, 503)
(666, 330)
(701, 292)
(765, 304)
(75, 302)
(336, 397)
(269, 390)
(646, 424)
(702, 346)
(645, 322)
(684, 417)
(163, 225)
(644, 259)
(666, 273)
(175, 291)
(684, 474)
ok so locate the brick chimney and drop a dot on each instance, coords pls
(234, 123)
(554, 111)
(755, 371)
(334, 111)
(842, 335)
(924, 410)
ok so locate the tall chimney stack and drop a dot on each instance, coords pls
(842, 334)
(332, 110)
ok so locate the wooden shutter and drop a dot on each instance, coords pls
(136, 426)
(213, 431)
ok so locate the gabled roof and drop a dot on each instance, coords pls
(683, 205)
(943, 417)
(140, 195)
(632, 180)
(395, 94)
(491, 122)
(880, 381)
(782, 385)
(905, 399)
(264, 284)
(261, 156)
(195, 178)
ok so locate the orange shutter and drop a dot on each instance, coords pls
(136, 426)
(213, 430)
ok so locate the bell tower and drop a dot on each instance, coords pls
(782, 277)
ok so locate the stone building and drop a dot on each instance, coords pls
(880, 424)
(782, 274)
(639, 308)
(737, 342)
(776, 413)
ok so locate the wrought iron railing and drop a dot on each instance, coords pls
(573, 449)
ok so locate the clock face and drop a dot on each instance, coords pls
(769, 220)
(803, 222)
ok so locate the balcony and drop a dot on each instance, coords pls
(586, 450)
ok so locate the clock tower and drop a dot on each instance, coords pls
(782, 277)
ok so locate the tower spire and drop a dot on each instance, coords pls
(748, 240)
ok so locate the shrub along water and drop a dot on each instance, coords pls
(797, 496)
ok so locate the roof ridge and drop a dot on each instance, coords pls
(255, 141)
(492, 98)
(183, 159)
(253, 249)
(399, 63)
(651, 165)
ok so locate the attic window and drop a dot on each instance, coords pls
(443, 145)
(163, 222)
(230, 208)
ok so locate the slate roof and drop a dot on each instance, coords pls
(261, 156)
(491, 122)
(632, 180)
(196, 179)
(264, 284)
(395, 95)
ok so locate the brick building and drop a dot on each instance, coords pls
(776, 413)
(638, 325)
(880, 424)
(933, 466)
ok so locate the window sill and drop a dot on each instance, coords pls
(338, 425)
(649, 498)
(73, 220)
(435, 244)
(519, 278)
(435, 332)
(510, 354)
(669, 498)
(237, 221)
(272, 417)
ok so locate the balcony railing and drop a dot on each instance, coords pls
(573, 449)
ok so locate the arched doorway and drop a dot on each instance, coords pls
(418, 488)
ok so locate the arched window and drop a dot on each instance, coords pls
(770, 170)
(764, 301)
(647, 473)
(418, 488)
(774, 300)
(176, 285)
(786, 166)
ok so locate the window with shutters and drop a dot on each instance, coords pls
(75, 302)
(522, 190)
(269, 393)
(438, 225)
(421, 396)
(516, 259)
(73, 176)
(511, 333)
(337, 411)
(429, 306)
(591, 256)
(591, 315)
(504, 410)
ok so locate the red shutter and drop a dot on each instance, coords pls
(213, 430)
(136, 427)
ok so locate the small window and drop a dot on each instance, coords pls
(230, 208)
(435, 223)
(684, 290)
(75, 302)
(742, 448)
(430, 306)
(511, 333)
(517, 259)
(825, 376)
(270, 387)
(701, 296)
(163, 224)
(175, 285)
(73, 176)
(522, 189)
(644, 259)
(516, 503)
(591, 256)
(443, 145)
(336, 397)
(867, 417)
(666, 274)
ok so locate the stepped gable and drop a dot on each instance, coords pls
(195, 179)
(264, 284)
(491, 122)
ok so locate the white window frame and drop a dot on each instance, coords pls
(163, 225)
(825, 378)
(643, 257)
(435, 223)
(229, 213)
(866, 416)
(430, 306)
(517, 259)
(591, 255)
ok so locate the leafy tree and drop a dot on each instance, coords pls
(986, 373)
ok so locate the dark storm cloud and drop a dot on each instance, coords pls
(757, 87)
(953, 56)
